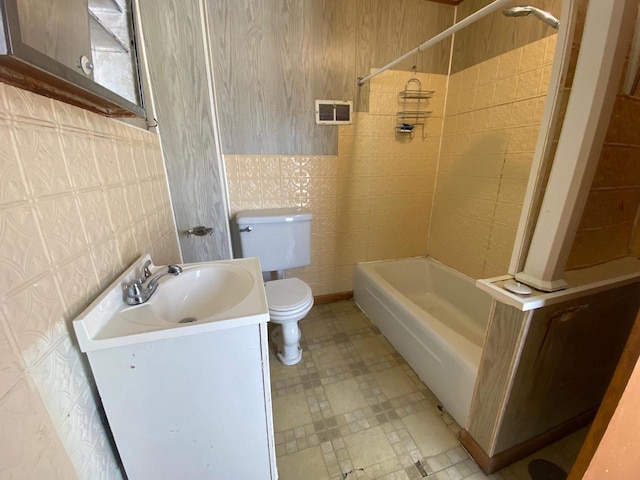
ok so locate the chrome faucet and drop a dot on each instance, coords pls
(140, 290)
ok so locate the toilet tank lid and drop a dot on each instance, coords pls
(273, 215)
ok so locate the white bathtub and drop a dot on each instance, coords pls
(434, 316)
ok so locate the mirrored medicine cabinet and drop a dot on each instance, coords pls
(81, 52)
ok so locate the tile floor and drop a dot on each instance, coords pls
(353, 409)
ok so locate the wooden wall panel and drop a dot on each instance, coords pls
(496, 34)
(567, 363)
(175, 52)
(545, 370)
(505, 334)
(273, 58)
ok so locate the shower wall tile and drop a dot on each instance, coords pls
(613, 204)
(71, 219)
(370, 202)
(492, 119)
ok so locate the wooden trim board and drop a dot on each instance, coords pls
(491, 464)
(623, 372)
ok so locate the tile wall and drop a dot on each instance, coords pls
(81, 197)
(370, 202)
(493, 115)
(609, 226)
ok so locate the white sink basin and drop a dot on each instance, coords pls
(204, 297)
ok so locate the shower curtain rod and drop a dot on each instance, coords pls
(492, 7)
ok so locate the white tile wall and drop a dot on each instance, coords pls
(72, 218)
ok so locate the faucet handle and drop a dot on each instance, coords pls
(174, 269)
(146, 273)
(133, 289)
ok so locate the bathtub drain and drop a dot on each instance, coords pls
(188, 320)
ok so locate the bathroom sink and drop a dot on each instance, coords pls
(205, 296)
(200, 292)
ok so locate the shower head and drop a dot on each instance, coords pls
(525, 10)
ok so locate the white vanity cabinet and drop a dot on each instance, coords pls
(186, 400)
(191, 407)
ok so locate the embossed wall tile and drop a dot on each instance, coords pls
(61, 378)
(81, 164)
(151, 198)
(60, 221)
(70, 116)
(25, 432)
(134, 201)
(78, 432)
(231, 166)
(43, 161)
(249, 166)
(140, 160)
(94, 214)
(99, 124)
(107, 161)
(55, 464)
(126, 162)
(79, 284)
(142, 238)
(29, 107)
(155, 160)
(107, 262)
(251, 189)
(290, 167)
(127, 246)
(11, 365)
(101, 462)
(152, 222)
(34, 315)
(22, 255)
(270, 166)
(162, 188)
(169, 219)
(271, 188)
(233, 189)
(117, 206)
(12, 185)
(50, 163)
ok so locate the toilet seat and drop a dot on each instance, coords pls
(288, 296)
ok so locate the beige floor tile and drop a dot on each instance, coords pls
(352, 322)
(306, 464)
(430, 433)
(345, 396)
(394, 382)
(290, 411)
(369, 447)
(280, 371)
(370, 347)
(327, 355)
(315, 329)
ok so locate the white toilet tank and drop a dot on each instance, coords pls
(279, 237)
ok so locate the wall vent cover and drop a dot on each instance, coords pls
(333, 112)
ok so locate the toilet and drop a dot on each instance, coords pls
(281, 239)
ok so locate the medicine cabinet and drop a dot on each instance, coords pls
(81, 52)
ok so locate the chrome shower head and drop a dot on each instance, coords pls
(524, 10)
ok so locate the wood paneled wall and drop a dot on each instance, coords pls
(543, 369)
(273, 58)
(496, 34)
(176, 55)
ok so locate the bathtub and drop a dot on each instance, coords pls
(434, 316)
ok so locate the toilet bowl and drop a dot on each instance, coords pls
(289, 300)
(281, 239)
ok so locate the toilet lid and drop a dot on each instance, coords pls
(287, 294)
